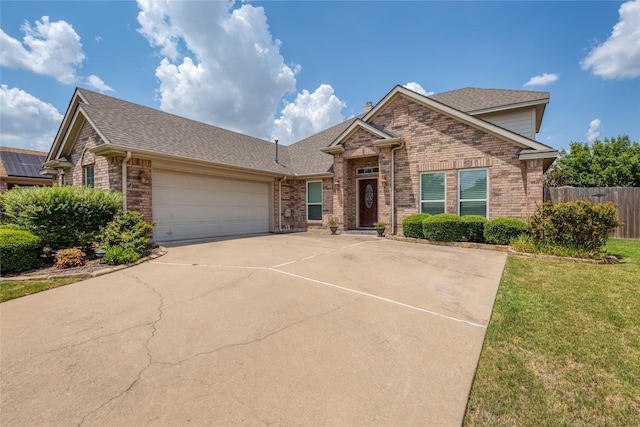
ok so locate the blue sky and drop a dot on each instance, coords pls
(289, 69)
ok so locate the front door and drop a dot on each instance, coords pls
(367, 202)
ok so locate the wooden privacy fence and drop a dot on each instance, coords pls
(626, 198)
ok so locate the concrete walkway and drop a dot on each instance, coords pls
(298, 329)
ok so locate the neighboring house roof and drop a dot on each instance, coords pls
(472, 100)
(18, 162)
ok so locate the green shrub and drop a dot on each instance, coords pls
(475, 228)
(502, 230)
(19, 250)
(63, 217)
(116, 255)
(68, 258)
(444, 228)
(412, 225)
(129, 233)
(582, 224)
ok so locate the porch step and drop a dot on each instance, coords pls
(366, 232)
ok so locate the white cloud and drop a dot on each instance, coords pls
(50, 48)
(97, 83)
(416, 87)
(308, 114)
(222, 66)
(542, 80)
(619, 56)
(26, 121)
(593, 133)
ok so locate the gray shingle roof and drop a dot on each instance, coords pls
(137, 127)
(308, 157)
(470, 99)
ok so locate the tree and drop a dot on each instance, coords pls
(612, 163)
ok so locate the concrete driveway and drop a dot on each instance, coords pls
(297, 329)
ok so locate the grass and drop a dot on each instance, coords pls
(12, 290)
(563, 345)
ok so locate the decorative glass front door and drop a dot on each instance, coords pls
(367, 202)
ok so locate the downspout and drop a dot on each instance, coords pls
(124, 181)
(393, 188)
(280, 181)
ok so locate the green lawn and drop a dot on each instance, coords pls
(563, 345)
(11, 290)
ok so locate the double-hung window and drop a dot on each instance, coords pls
(473, 192)
(88, 176)
(314, 201)
(433, 192)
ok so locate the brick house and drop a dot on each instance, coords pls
(468, 151)
(21, 168)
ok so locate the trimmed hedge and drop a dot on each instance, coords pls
(63, 217)
(502, 230)
(412, 225)
(444, 228)
(582, 224)
(475, 228)
(19, 250)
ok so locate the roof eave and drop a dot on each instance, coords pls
(336, 149)
(537, 102)
(388, 143)
(110, 150)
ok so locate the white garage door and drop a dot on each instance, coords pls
(187, 206)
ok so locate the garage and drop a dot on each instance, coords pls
(189, 206)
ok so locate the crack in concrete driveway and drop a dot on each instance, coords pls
(315, 329)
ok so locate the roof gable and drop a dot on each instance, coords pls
(445, 109)
(126, 126)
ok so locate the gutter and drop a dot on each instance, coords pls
(393, 187)
(124, 181)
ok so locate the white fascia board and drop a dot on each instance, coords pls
(538, 155)
(388, 143)
(495, 130)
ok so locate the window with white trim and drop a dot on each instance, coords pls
(473, 192)
(433, 192)
(88, 176)
(314, 201)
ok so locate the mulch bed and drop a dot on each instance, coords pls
(90, 266)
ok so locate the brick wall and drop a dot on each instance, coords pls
(139, 187)
(81, 157)
(434, 142)
(108, 172)
(294, 198)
